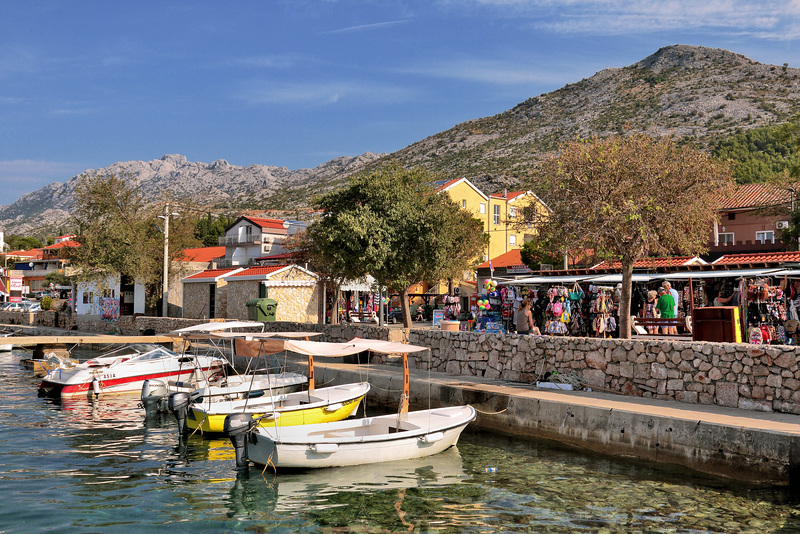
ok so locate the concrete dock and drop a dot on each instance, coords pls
(738, 444)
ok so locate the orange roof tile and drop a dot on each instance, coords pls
(260, 270)
(754, 195)
(509, 195)
(32, 253)
(211, 273)
(62, 244)
(511, 258)
(203, 254)
(266, 223)
(765, 257)
(669, 261)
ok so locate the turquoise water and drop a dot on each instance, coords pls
(98, 466)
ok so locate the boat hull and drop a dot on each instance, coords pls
(333, 404)
(122, 371)
(360, 441)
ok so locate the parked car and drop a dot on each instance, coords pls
(394, 314)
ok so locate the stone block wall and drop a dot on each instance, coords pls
(752, 377)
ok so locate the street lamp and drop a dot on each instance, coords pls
(165, 287)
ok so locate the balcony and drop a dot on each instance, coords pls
(228, 241)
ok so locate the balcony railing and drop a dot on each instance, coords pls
(742, 247)
(228, 241)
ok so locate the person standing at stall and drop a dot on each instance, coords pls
(523, 319)
(666, 305)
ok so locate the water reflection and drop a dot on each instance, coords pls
(90, 466)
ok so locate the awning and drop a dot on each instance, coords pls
(786, 272)
(617, 278)
(552, 280)
(261, 347)
(215, 327)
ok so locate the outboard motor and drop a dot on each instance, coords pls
(236, 427)
(154, 396)
(178, 404)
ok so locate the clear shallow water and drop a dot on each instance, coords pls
(89, 467)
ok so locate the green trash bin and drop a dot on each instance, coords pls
(262, 310)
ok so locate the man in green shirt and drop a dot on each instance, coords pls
(666, 305)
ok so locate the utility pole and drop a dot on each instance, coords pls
(165, 287)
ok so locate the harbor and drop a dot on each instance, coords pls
(102, 466)
(752, 446)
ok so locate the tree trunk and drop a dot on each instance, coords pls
(625, 300)
(406, 308)
(335, 313)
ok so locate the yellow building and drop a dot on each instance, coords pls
(499, 213)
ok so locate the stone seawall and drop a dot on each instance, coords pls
(752, 377)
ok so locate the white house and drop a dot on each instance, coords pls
(108, 298)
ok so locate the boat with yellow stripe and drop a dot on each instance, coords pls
(299, 408)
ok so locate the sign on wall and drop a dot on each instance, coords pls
(15, 289)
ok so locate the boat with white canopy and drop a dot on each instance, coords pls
(356, 441)
(205, 411)
(224, 382)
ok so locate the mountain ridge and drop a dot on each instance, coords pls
(693, 93)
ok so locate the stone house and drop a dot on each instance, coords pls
(224, 293)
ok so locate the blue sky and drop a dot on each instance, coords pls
(295, 83)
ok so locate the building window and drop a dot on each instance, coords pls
(765, 237)
(463, 203)
(496, 214)
(512, 240)
(726, 239)
(483, 207)
(512, 213)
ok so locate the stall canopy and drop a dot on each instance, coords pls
(247, 346)
(617, 278)
(551, 280)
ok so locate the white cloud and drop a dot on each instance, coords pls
(489, 71)
(779, 20)
(362, 27)
(321, 94)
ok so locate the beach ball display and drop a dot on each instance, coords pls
(490, 284)
(483, 304)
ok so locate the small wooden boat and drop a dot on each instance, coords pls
(358, 441)
(42, 366)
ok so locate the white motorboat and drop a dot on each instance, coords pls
(123, 370)
(319, 405)
(365, 440)
(225, 383)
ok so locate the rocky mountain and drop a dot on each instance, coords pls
(695, 94)
(215, 185)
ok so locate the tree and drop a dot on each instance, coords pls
(209, 229)
(626, 198)
(18, 242)
(389, 224)
(121, 234)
